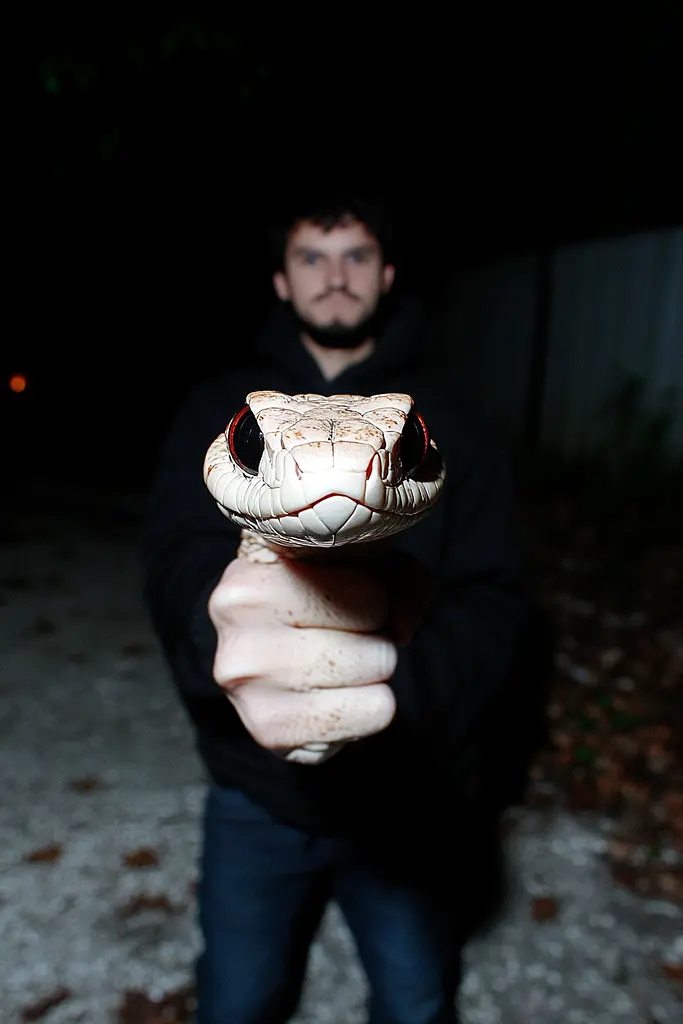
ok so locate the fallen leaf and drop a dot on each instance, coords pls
(670, 884)
(652, 881)
(45, 855)
(175, 1008)
(544, 908)
(86, 784)
(144, 902)
(626, 875)
(39, 1009)
(145, 857)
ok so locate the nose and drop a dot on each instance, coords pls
(336, 275)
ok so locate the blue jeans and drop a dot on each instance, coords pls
(263, 889)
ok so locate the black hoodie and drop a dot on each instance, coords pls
(460, 659)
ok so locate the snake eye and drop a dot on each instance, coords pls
(245, 440)
(414, 444)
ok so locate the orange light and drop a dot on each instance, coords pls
(17, 383)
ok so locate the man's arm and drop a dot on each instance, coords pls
(186, 545)
(463, 655)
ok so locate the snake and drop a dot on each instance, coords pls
(308, 473)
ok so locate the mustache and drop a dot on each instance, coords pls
(336, 291)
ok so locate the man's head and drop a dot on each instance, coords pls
(333, 263)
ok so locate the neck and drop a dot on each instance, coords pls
(333, 361)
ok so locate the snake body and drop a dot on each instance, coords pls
(308, 472)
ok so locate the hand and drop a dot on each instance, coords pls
(299, 654)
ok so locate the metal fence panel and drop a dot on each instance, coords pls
(617, 312)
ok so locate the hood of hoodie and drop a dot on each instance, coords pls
(398, 347)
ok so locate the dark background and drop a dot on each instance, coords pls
(151, 141)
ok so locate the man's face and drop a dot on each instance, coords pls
(334, 280)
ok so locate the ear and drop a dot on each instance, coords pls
(388, 275)
(281, 286)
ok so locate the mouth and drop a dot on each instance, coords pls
(334, 496)
(329, 519)
(334, 508)
(338, 295)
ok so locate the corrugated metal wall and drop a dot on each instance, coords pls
(616, 310)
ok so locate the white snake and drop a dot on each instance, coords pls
(300, 472)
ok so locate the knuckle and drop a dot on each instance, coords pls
(235, 660)
(226, 598)
(266, 728)
(385, 657)
(384, 704)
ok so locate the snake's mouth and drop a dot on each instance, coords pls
(319, 501)
(334, 510)
(328, 521)
(336, 518)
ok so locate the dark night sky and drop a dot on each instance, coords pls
(137, 274)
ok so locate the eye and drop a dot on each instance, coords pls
(414, 443)
(245, 440)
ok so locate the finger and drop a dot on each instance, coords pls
(300, 594)
(301, 660)
(286, 720)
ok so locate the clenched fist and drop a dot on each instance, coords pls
(300, 653)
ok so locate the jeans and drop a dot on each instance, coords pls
(263, 889)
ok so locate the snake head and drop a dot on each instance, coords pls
(314, 470)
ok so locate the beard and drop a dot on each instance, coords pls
(339, 335)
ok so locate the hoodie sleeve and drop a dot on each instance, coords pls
(464, 654)
(186, 544)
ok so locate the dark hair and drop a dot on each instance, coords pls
(328, 210)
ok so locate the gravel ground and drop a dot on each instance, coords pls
(98, 829)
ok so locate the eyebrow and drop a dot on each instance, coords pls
(366, 248)
(306, 250)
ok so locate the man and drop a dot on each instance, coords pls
(385, 825)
